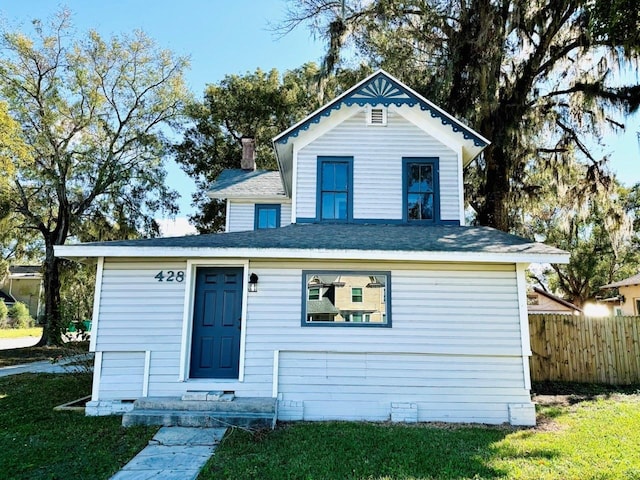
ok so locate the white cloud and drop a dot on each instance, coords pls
(176, 227)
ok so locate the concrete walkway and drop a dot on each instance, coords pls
(20, 342)
(45, 366)
(35, 367)
(174, 453)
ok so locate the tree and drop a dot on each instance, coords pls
(587, 220)
(536, 78)
(12, 149)
(92, 112)
(258, 105)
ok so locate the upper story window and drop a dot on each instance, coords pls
(267, 216)
(356, 294)
(421, 202)
(335, 188)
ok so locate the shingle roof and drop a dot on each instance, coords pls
(25, 269)
(236, 183)
(322, 305)
(556, 299)
(634, 280)
(382, 237)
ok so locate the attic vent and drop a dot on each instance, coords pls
(377, 116)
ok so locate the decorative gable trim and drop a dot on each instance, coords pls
(381, 89)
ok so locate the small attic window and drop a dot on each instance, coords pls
(377, 116)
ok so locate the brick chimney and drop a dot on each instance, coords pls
(248, 161)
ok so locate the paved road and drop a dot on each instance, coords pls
(8, 343)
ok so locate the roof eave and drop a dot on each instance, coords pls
(81, 251)
(257, 198)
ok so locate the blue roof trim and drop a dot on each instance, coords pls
(382, 90)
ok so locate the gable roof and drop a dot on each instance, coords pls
(343, 241)
(380, 88)
(627, 282)
(556, 299)
(236, 183)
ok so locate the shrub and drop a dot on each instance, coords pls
(20, 315)
(3, 313)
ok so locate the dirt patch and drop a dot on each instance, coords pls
(573, 399)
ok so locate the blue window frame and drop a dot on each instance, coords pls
(420, 190)
(266, 216)
(335, 189)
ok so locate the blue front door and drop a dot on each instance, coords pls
(215, 344)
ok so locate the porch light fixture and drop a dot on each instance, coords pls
(253, 282)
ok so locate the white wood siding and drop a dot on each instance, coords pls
(242, 215)
(454, 347)
(362, 386)
(122, 375)
(377, 167)
(137, 313)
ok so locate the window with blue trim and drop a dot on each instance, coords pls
(335, 188)
(267, 216)
(421, 202)
(346, 299)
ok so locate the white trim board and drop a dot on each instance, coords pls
(96, 305)
(82, 251)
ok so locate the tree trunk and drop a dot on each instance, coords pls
(495, 208)
(53, 328)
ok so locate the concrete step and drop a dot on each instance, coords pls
(174, 412)
(238, 404)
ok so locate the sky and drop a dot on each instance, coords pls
(232, 37)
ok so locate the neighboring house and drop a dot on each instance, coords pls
(369, 300)
(8, 299)
(540, 301)
(24, 284)
(627, 302)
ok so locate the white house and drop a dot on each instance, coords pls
(346, 285)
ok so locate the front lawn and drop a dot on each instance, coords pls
(589, 440)
(38, 443)
(20, 332)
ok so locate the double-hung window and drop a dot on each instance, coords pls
(356, 294)
(421, 202)
(335, 189)
(267, 216)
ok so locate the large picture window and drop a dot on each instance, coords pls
(342, 298)
(420, 190)
(335, 188)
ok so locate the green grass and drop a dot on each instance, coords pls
(590, 440)
(20, 332)
(17, 356)
(38, 443)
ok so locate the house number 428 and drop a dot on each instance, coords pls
(170, 276)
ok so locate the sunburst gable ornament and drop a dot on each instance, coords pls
(380, 88)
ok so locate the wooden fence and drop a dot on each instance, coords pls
(584, 349)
